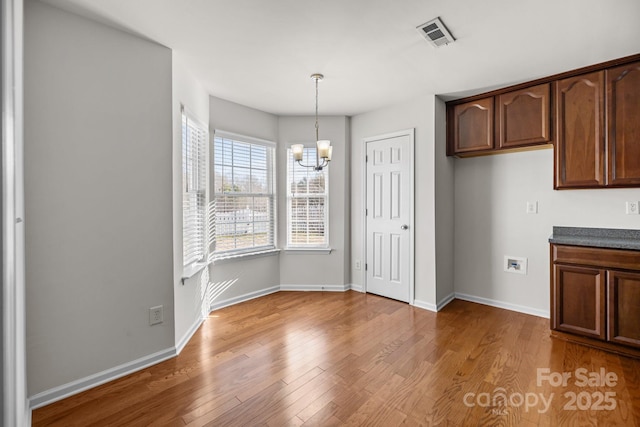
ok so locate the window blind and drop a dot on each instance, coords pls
(244, 194)
(194, 185)
(307, 202)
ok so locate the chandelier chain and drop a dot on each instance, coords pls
(317, 137)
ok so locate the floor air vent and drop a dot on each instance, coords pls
(436, 33)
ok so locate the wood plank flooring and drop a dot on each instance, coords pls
(326, 359)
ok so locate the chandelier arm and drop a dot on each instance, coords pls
(316, 167)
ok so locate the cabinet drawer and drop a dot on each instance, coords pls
(596, 257)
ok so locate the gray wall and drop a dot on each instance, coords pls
(444, 207)
(246, 276)
(313, 268)
(432, 172)
(491, 221)
(98, 151)
(189, 304)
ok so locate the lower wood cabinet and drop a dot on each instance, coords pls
(624, 308)
(595, 297)
(580, 300)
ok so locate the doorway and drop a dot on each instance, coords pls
(389, 218)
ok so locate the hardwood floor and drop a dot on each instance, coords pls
(305, 358)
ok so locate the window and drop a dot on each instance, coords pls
(307, 203)
(244, 194)
(194, 189)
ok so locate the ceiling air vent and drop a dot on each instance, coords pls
(436, 33)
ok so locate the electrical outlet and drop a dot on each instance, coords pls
(532, 207)
(357, 265)
(632, 208)
(155, 315)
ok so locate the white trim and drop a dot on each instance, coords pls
(356, 287)
(14, 410)
(316, 288)
(425, 305)
(242, 298)
(220, 258)
(445, 301)
(308, 251)
(218, 133)
(189, 334)
(411, 134)
(192, 269)
(505, 305)
(58, 393)
(193, 117)
(327, 207)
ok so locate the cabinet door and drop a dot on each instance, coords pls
(579, 301)
(523, 117)
(624, 308)
(473, 126)
(580, 159)
(623, 121)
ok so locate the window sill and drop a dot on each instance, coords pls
(242, 256)
(192, 269)
(308, 251)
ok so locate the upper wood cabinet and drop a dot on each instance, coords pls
(623, 121)
(591, 116)
(580, 148)
(523, 117)
(509, 120)
(472, 123)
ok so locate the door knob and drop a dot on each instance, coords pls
(404, 227)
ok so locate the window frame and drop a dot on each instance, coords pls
(190, 226)
(292, 246)
(271, 169)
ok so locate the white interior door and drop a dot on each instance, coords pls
(389, 177)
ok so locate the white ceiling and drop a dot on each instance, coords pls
(260, 53)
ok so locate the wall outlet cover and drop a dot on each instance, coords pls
(632, 208)
(514, 264)
(532, 207)
(155, 315)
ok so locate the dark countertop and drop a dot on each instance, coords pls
(613, 238)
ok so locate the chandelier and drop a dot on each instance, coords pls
(324, 148)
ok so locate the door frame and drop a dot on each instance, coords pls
(411, 134)
(15, 405)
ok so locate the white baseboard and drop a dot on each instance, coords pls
(446, 300)
(356, 287)
(187, 336)
(505, 305)
(434, 307)
(317, 288)
(58, 393)
(425, 305)
(242, 298)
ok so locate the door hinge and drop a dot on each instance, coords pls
(366, 266)
(366, 158)
(366, 212)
